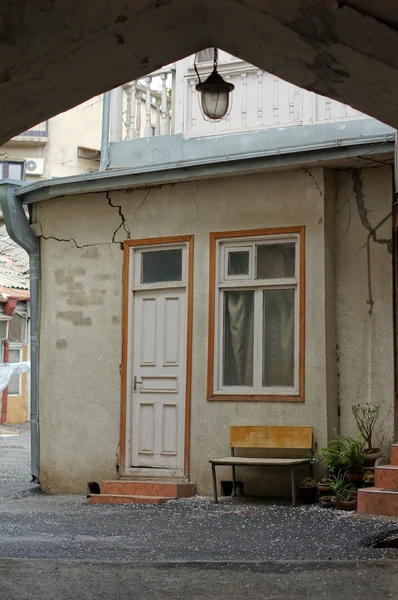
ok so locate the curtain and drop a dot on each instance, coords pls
(238, 338)
(278, 338)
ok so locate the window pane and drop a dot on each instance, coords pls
(278, 338)
(13, 386)
(276, 260)
(161, 265)
(238, 263)
(238, 338)
(15, 170)
(1, 170)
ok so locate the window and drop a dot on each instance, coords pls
(12, 170)
(256, 332)
(14, 386)
(206, 55)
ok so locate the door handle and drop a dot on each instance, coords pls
(136, 383)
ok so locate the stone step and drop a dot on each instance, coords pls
(377, 501)
(394, 454)
(126, 499)
(386, 477)
(167, 489)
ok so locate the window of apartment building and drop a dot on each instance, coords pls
(257, 315)
(12, 170)
(14, 386)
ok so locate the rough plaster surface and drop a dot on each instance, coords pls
(81, 313)
(364, 341)
(336, 48)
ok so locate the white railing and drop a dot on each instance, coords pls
(167, 102)
(144, 106)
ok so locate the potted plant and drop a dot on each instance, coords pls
(366, 416)
(332, 455)
(326, 501)
(307, 490)
(353, 456)
(324, 488)
(369, 479)
(343, 493)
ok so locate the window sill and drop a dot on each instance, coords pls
(253, 398)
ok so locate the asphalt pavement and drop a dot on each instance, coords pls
(60, 547)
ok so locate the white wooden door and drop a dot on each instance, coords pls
(158, 373)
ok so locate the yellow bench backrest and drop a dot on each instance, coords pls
(272, 436)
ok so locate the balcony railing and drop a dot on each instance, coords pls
(167, 102)
(37, 134)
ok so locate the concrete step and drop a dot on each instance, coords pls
(126, 499)
(386, 477)
(167, 489)
(377, 501)
(394, 454)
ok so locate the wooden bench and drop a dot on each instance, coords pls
(276, 437)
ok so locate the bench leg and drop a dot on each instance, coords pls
(213, 472)
(293, 488)
(233, 481)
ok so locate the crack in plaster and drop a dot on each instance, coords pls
(318, 187)
(357, 186)
(123, 223)
(194, 200)
(142, 203)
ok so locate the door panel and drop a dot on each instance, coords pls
(159, 367)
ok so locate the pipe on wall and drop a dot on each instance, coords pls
(19, 230)
(106, 119)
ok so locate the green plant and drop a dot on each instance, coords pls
(352, 454)
(332, 455)
(309, 482)
(366, 416)
(340, 489)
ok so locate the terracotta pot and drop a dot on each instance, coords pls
(326, 501)
(345, 504)
(371, 457)
(307, 494)
(355, 478)
(324, 489)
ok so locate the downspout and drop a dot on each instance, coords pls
(106, 119)
(19, 230)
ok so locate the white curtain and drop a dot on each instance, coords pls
(238, 338)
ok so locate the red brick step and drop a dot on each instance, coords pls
(386, 477)
(394, 454)
(377, 501)
(125, 499)
(167, 489)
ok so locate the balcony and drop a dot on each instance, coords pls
(267, 116)
(37, 135)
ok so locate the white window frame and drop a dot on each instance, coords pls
(225, 282)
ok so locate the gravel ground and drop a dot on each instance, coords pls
(34, 525)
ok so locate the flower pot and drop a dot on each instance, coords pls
(371, 457)
(345, 504)
(355, 478)
(326, 501)
(324, 489)
(307, 494)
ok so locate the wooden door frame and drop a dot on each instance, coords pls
(182, 239)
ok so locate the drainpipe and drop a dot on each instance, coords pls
(106, 119)
(19, 230)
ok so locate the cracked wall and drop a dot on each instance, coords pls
(80, 351)
(79, 360)
(364, 341)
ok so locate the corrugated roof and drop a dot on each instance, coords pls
(14, 263)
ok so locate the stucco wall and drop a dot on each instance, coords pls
(364, 340)
(81, 293)
(80, 126)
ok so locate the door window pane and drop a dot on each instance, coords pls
(278, 338)
(276, 260)
(238, 263)
(238, 338)
(161, 265)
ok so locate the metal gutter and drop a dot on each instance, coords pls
(175, 171)
(19, 230)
